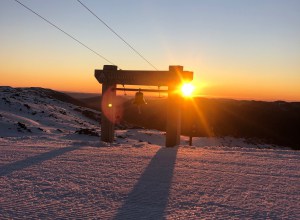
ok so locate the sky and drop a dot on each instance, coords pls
(241, 49)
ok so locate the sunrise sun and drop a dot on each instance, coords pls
(187, 89)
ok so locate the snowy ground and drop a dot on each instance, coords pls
(59, 174)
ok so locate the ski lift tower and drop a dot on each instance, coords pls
(110, 76)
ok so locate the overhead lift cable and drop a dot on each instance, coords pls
(69, 35)
(138, 53)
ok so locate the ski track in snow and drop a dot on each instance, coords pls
(46, 174)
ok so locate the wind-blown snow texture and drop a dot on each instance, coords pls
(50, 173)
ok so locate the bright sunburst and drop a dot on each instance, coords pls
(187, 89)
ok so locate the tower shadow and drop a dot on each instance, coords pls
(149, 197)
(34, 160)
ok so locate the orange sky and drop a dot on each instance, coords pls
(235, 50)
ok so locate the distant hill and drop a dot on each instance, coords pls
(272, 122)
(95, 101)
(81, 95)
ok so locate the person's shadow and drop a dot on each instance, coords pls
(149, 197)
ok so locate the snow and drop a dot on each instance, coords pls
(62, 174)
(40, 113)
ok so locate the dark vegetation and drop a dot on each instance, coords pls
(269, 122)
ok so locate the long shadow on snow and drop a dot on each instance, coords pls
(30, 161)
(149, 196)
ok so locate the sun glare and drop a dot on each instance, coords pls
(187, 89)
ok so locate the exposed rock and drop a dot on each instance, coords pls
(23, 126)
(87, 131)
(27, 106)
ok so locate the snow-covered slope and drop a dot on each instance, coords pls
(31, 112)
(50, 171)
